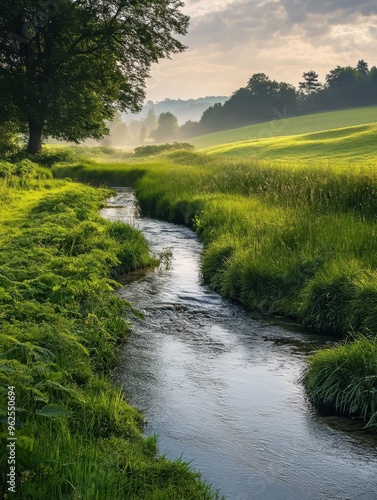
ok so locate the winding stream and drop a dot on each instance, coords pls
(222, 390)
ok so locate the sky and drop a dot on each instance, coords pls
(230, 40)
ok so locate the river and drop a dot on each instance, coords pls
(222, 390)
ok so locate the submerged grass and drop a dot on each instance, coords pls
(291, 238)
(60, 324)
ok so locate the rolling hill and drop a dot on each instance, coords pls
(358, 143)
(290, 127)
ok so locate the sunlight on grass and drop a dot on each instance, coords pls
(290, 126)
(345, 144)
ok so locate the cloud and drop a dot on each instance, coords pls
(230, 40)
(299, 10)
(263, 20)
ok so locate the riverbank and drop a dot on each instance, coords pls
(60, 326)
(256, 432)
(291, 239)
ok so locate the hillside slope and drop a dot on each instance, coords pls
(343, 144)
(290, 126)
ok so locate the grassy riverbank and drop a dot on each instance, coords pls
(60, 323)
(294, 239)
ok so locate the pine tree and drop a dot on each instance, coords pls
(362, 68)
(310, 84)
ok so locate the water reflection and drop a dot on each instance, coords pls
(222, 390)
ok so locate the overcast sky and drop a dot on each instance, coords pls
(228, 41)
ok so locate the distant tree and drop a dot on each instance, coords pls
(213, 118)
(310, 84)
(119, 133)
(151, 121)
(286, 98)
(341, 77)
(261, 86)
(167, 129)
(67, 65)
(169, 122)
(344, 88)
(143, 134)
(372, 75)
(190, 129)
(134, 128)
(363, 68)
(267, 97)
(106, 142)
(261, 100)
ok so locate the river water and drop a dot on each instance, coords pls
(222, 390)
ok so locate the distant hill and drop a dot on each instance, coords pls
(184, 110)
(289, 126)
(357, 143)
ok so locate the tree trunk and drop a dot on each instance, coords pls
(35, 138)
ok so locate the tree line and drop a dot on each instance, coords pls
(153, 128)
(263, 99)
(68, 67)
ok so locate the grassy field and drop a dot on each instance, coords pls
(290, 126)
(356, 144)
(291, 238)
(60, 324)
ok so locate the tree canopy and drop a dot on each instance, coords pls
(262, 99)
(310, 83)
(167, 128)
(66, 66)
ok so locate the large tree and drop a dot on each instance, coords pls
(66, 66)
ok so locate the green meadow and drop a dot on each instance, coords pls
(355, 143)
(60, 324)
(293, 238)
(292, 234)
(284, 126)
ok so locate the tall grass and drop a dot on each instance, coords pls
(345, 378)
(60, 324)
(292, 235)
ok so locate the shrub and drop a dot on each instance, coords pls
(9, 139)
(47, 157)
(156, 149)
